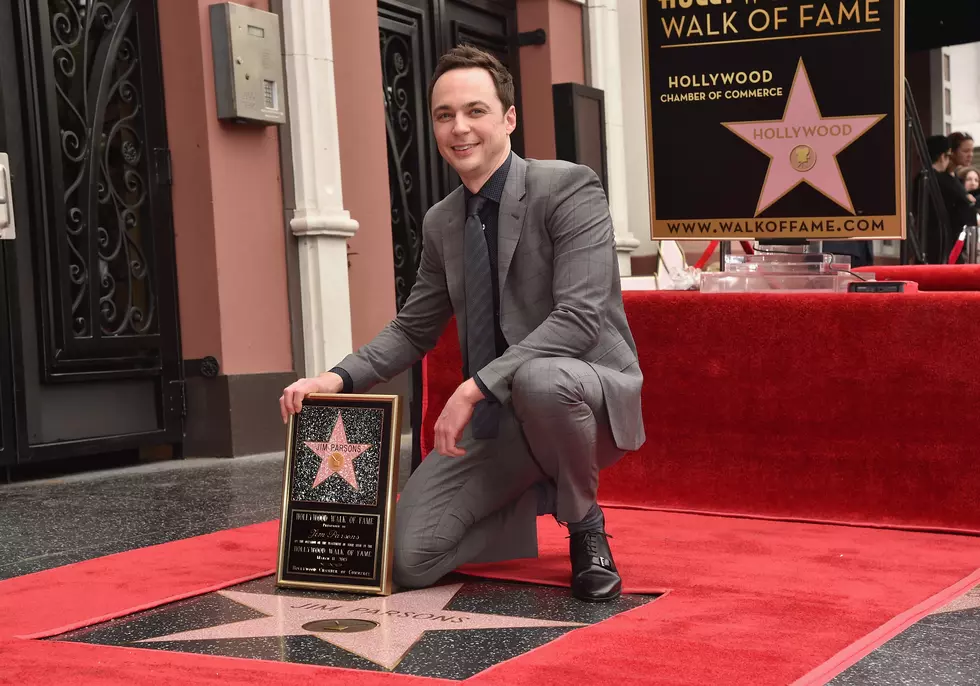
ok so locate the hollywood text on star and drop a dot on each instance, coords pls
(684, 20)
(793, 132)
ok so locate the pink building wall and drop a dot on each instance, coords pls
(227, 204)
(230, 248)
(560, 60)
(364, 165)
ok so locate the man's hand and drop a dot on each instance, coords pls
(291, 400)
(454, 418)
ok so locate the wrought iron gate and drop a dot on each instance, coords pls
(93, 305)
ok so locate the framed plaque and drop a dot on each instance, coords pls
(338, 499)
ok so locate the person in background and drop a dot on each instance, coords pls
(970, 178)
(960, 206)
(960, 151)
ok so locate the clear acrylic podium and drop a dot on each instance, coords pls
(782, 268)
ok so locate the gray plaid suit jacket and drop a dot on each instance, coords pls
(559, 291)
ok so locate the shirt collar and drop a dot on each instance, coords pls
(493, 188)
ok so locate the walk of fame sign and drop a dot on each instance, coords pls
(339, 487)
(760, 124)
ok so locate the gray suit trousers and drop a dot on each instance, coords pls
(481, 507)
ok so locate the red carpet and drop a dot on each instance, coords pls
(838, 408)
(750, 602)
(930, 277)
(66, 598)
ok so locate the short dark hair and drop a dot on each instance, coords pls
(956, 139)
(468, 57)
(937, 145)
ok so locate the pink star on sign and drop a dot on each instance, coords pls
(803, 145)
(337, 456)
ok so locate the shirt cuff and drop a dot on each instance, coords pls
(483, 389)
(348, 382)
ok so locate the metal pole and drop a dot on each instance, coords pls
(724, 249)
(970, 246)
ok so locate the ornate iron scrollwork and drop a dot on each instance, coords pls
(105, 168)
(402, 108)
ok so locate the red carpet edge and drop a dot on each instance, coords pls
(855, 652)
(612, 502)
(146, 606)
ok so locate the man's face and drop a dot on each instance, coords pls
(471, 128)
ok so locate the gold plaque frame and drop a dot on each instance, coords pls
(389, 448)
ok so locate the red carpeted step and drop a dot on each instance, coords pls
(930, 277)
(847, 408)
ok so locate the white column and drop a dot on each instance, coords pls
(634, 120)
(320, 222)
(603, 65)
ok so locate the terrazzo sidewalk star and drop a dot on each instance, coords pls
(381, 629)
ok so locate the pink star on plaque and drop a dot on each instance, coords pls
(337, 456)
(803, 145)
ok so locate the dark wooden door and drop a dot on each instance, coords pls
(91, 282)
(490, 26)
(413, 34)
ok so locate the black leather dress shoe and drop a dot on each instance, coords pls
(594, 575)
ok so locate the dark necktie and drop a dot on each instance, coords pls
(480, 342)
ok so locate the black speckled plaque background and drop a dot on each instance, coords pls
(362, 426)
(340, 465)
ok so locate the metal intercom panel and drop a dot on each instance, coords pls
(248, 74)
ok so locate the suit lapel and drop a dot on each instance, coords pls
(510, 220)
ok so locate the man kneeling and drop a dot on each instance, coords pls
(523, 255)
